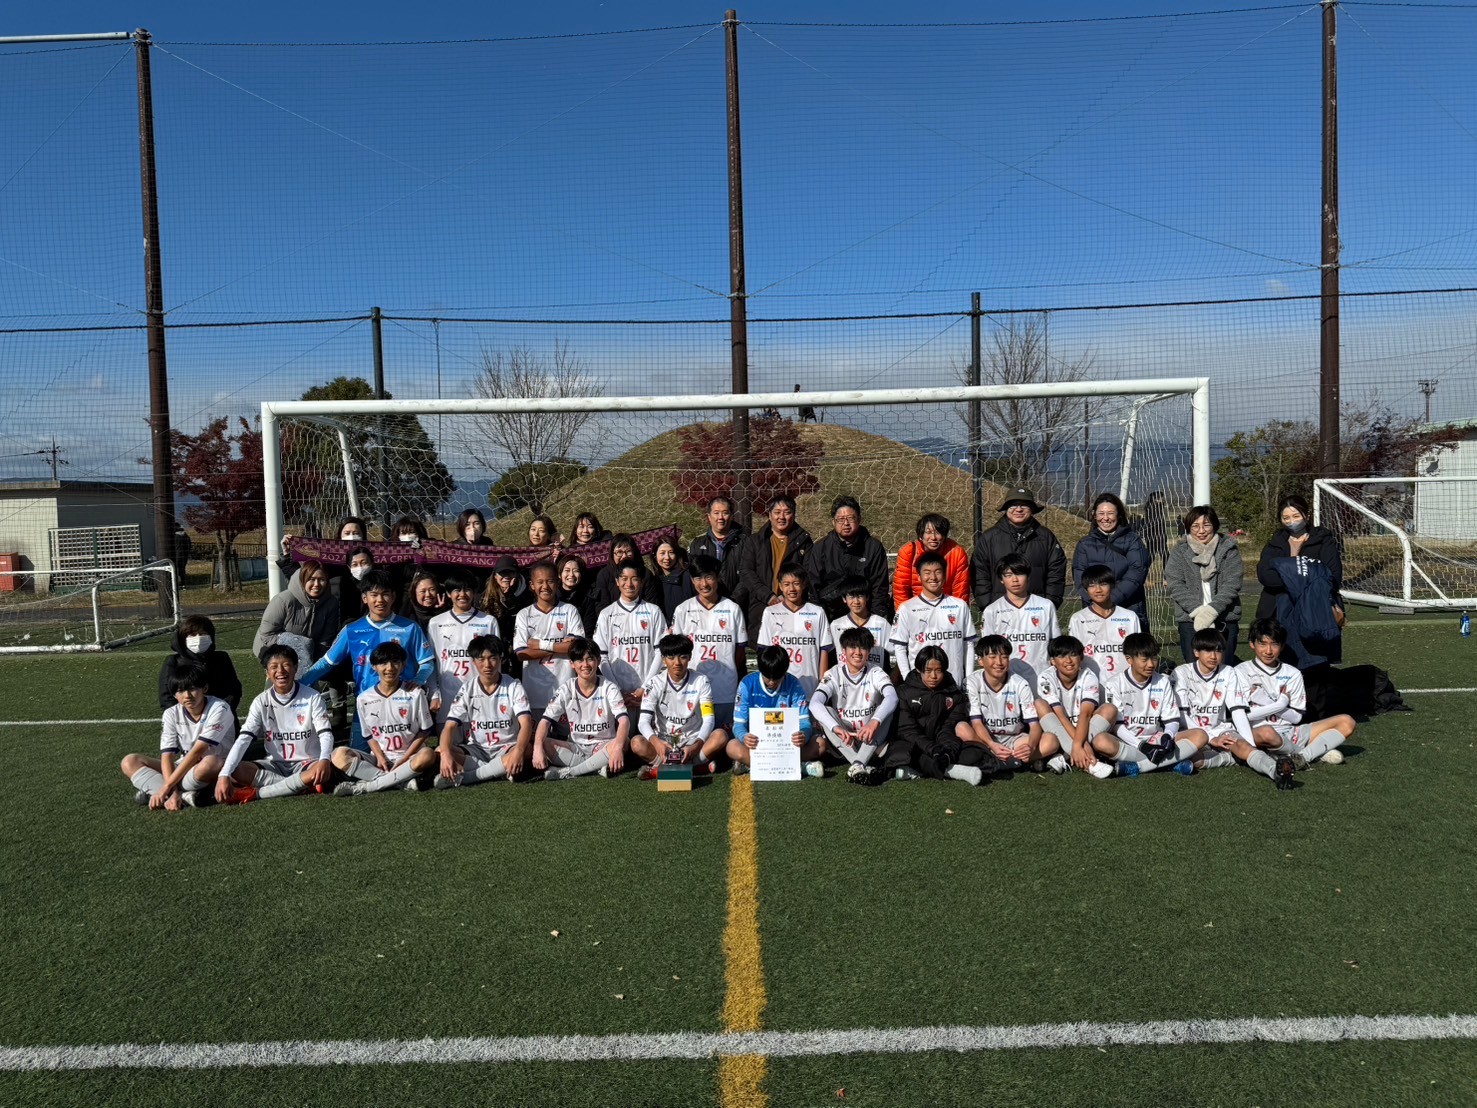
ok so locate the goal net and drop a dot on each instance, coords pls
(1408, 542)
(86, 609)
(640, 463)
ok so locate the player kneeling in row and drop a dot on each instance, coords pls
(1069, 695)
(933, 723)
(1002, 709)
(396, 719)
(1278, 701)
(491, 711)
(774, 686)
(192, 745)
(591, 711)
(1213, 699)
(854, 704)
(677, 723)
(1142, 707)
(291, 720)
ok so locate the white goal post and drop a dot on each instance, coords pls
(1393, 555)
(87, 610)
(1119, 423)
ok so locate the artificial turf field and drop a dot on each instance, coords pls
(1035, 901)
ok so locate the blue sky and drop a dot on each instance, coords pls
(886, 170)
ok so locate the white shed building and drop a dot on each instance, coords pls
(1449, 511)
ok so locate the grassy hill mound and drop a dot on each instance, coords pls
(894, 482)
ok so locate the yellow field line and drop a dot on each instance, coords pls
(741, 1076)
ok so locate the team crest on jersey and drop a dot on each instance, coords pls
(301, 719)
(643, 625)
(403, 713)
(1035, 621)
(502, 709)
(723, 625)
(1009, 706)
(689, 706)
(1216, 695)
(600, 711)
(948, 703)
(808, 625)
(558, 626)
(953, 619)
(1153, 704)
(1122, 632)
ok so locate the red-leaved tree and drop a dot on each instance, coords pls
(223, 472)
(781, 461)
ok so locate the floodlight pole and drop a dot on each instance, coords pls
(377, 330)
(976, 362)
(737, 293)
(160, 436)
(1328, 345)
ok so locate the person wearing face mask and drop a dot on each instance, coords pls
(1204, 574)
(194, 643)
(1298, 538)
(305, 609)
(1114, 543)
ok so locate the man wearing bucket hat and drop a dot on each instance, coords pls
(1019, 532)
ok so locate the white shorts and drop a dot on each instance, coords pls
(271, 770)
(1216, 730)
(1294, 738)
(479, 755)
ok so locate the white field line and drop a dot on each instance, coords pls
(701, 1046)
(1418, 692)
(69, 722)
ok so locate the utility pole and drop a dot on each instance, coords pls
(743, 495)
(1428, 388)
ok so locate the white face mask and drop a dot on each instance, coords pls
(409, 538)
(198, 644)
(359, 572)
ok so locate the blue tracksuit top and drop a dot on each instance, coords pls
(357, 641)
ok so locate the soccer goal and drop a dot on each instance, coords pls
(1407, 542)
(645, 462)
(86, 609)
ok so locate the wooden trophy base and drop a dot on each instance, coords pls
(674, 779)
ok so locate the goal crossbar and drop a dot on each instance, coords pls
(272, 412)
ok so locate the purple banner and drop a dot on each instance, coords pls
(434, 552)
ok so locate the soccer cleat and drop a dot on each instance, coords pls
(346, 788)
(142, 797)
(1184, 769)
(320, 790)
(814, 769)
(906, 773)
(417, 784)
(1127, 769)
(1333, 757)
(195, 798)
(1159, 750)
(1102, 770)
(741, 769)
(1286, 767)
(646, 773)
(603, 771)
(554, 773)
(857, 774)
(441, 782)
(243, 795)
(1036, 765)
(1300, 762)
(1058, 763)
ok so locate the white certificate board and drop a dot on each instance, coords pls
(776, 758)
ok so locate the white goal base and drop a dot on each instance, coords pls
(86, 610)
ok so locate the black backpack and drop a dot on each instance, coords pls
(1360, 691)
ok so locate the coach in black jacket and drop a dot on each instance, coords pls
(848, 551)
(722, 542)
(1019, 533)
(757, 566)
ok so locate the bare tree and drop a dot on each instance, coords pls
(1019, 437)
(502, 440)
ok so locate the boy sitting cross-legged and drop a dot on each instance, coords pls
(492, 710)
(1213, 699)
(192, 746)
(854, 704)
(593, 716)
(1071, 695)
(1146, 716)
(774, 686)
(291, 719)
(1278, 700)
(1002, 707)
(677, 722)
(396, 719)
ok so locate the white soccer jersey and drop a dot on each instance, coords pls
(716, 635)
(677, 711)
(542, 678)
(881, 635)
(945, 622)
(804, 633)
(394, 720)
(180, 733)
(1049, 687)
(592, 719)
(449, 635)
(627, 635)
(1028, 627)
(491, 719)
(1264, 686)
(854, 698)
(1007, 712)
(1102, 638)
(1207, 702)
(1143, 710)
(294, 729)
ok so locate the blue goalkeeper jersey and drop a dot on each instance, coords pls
(753, 694)
(357, 641)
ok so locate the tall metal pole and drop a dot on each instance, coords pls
(160, 437)
(376, 327)
(1328, 346)
(976, 468)
(737, 289)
